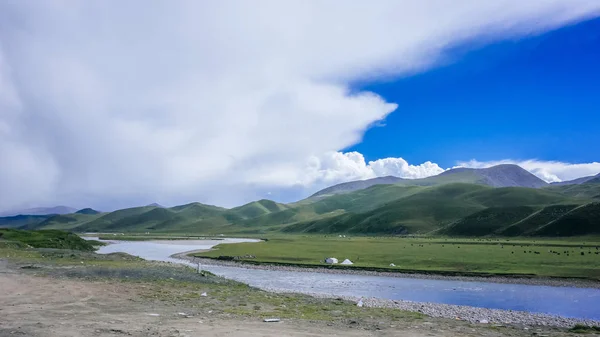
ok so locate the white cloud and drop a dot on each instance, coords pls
(112, 106)
(550, 171)
(336, 167)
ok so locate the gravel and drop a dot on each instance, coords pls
(553, 282)
(461, 312)
(439, 310)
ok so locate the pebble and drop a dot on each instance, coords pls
(577, 283)
(439, 310)
(464, 313)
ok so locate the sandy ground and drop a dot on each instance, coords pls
(46, 306)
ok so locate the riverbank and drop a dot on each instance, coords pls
(57, 295)
(465, 313)
(459, 312)
(515, 279)
(529, 258)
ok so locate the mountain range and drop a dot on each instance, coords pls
(40, 211)
(503, 200)
(504, 175)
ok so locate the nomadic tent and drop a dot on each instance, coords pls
(331, 260)
(346, 261)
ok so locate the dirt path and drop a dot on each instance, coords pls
(47, 306)
(37, 306)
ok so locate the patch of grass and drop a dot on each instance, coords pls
(580, 328)
(434, 255)
(182, 286)
(46, 239)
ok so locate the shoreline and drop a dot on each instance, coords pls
(538, 281)
(477, 315)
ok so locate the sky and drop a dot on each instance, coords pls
(109, 106)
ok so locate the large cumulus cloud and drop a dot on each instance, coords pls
(113, 105)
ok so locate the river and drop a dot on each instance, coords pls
(571, 302)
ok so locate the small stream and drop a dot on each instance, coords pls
(572, 302)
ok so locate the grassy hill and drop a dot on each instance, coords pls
(258, 208)
(18, 221)
(88, 211)
(472, 209)
(537, 219)
(589, 189)
(458, 202)
(488, 221)
(327, 207)
(63, 222)
(114, 221)
(582, 220)
(417, 213)
(46, 239)
(505, 175)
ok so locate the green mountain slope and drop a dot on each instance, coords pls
(330, 206)
(515, 196)
(18, 221)
(488, 221)
(114, 220)
(505, 175)
(64, 221)
(589, 189)
(536, 220)
(258, 208)
(582, 220)
(193, 217)
(474, 210)
(88, 211)
(459, 202)
(418, 213)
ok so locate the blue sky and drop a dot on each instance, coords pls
(536, 97)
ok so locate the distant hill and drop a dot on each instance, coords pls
(505, 175)
(595, 180)
(577, 181)
(194, 217)
(63, 221)
(258, 208)
(587, 189)
(115, 221)
(357, 185)
(40, 211)
(155, 205)
(18, 221)
(88, 211)
(458, 202)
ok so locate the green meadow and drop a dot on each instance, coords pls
(540, 258)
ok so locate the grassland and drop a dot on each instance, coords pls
(539, 258)
(45, 239)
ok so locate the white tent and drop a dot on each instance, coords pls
(346, 261)
(331, 260)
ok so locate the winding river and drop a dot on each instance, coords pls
(563, 301)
